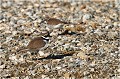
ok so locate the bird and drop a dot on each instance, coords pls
(35, 44)
(54, 21)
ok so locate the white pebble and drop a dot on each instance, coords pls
(13, 58)
(58, 67)
(43, 76)
(1, 50)
(14, 32)
(41, 53)
(47, 78)
(57, 26)
(2, 66)
(86, 17)
(119, 70)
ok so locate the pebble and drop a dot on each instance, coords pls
(115, 24)
(14, 32)
(46, 78)
(58, 67)
(6, 5)
(82, 55)
(43, 76)
(14, 59)
(21, 21)
(86, 17)
(58, 26)
(2, 66)
(1, 50)
(41, 53)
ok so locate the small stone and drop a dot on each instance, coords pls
(58, 26)
(14, 59)
(112, 34)
(118, 70)
(82, 7)
(53, 34)
(1, 17)
(46, 67)
(67, 75)
(82, 55)
(43, 76)
(6, 5)
(58, 67)
(86, 17)
(1, 50)
(115, 24)
(21, 21)
(2, 66)
(36, 5)
(41, 53)
(26, 77)
(14, 32)
(79, 44)
(92, 64)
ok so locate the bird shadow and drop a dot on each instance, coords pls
(52, 56)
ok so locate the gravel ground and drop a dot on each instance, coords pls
(82, 39)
